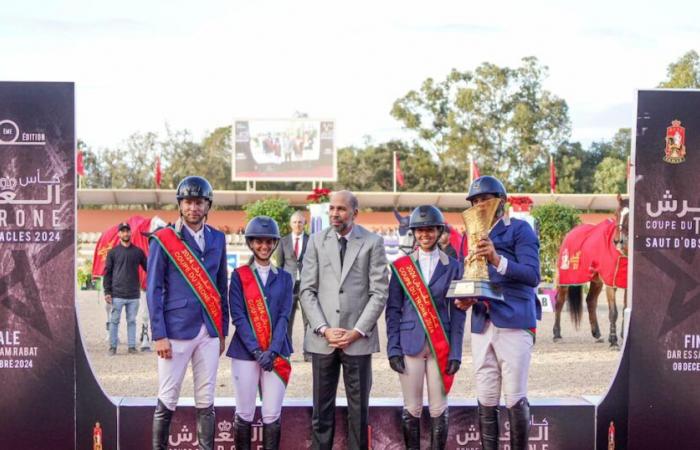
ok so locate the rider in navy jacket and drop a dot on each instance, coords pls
(175, 312)
(503, 331)
(406, 335)
(410, 353)
(251, 365)
(279, 286)
(521, 309)
(182, 331)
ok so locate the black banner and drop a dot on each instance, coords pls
(37, 265)
(665, 342)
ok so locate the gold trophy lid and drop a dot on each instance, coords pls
(481, 216)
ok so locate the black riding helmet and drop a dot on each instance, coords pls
(426, 216)
(487, 185)
(195, 187)
(262, 227)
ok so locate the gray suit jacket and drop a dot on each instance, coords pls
(353, 298)
(286, 258)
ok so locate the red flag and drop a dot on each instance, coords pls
(459, 242)
(80, 167)
(399, 173)
(159, 173)
(475, 170)
(552, 175)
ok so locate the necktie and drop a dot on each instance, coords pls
(343, 246)
(296, 247)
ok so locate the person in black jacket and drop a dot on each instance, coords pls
(121, 286)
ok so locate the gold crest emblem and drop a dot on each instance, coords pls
(575, 260)
(675, 143)
(102, 253)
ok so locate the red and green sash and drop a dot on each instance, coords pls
(194, 273)
(259, 318)
(408, 274)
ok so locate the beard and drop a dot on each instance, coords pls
(341, 227)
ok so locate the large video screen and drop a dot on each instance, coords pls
(284, 150)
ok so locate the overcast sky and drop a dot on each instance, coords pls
(139, 65)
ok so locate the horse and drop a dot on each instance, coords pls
(601, 260)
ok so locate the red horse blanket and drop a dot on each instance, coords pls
(588, 250)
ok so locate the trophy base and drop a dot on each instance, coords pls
(475, 288)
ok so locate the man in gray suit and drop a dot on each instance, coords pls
(343, 292)
(290, 255)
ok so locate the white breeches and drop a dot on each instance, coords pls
(247, 376)
(203, 350)
(501, 359)
(422, 368)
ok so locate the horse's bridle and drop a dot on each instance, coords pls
(620, 243)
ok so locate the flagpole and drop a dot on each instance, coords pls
(158, 175)
(471, 169)
(394, 165)
(551, 165)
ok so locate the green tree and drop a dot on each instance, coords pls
(370, 168)
(129, 166)
(501, 115)
(182, 156)
(684, 73)
(579, 168)
(611, 176)
(139, 160)
(618, 147)
(553, 221)
(569, 159)
(276, 208)
(94, 175)
(216, 147)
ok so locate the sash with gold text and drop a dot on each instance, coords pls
(194, 273)
(259, 317)
(416, 289)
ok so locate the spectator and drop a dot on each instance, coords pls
(290, 256)
(121, 286)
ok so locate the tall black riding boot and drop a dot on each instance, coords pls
(488, 427)
(519, 416)
(241, 433)
(438, 431)
(206, 423)
(271, 435)
(161, 426)
(411, 430)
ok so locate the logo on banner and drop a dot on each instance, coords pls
(8, 186)
(185, 439)
(10, 134)
(675, 143)
(538, 439)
